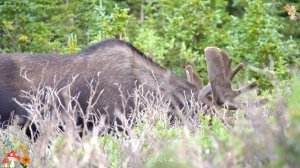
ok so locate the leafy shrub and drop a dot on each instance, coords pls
(256, 40)
(111, 25)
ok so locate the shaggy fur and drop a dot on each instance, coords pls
(118, 66)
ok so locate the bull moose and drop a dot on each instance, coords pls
(120, 68)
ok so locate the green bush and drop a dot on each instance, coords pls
(255, 38)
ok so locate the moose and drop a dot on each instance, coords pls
(120, 68)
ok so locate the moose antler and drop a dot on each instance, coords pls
(192, 77)
(220, 76)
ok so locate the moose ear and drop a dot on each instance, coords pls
(192, 77)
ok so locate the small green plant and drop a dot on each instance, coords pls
(72, 44)
(113, 25)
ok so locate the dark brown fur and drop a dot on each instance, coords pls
(119, 64)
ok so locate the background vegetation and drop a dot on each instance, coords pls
(175, 33)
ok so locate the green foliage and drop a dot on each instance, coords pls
(72, 44)
(111, 25)
(167, 158)
(292, 151)
(111, 146)
(186, 27)
(174, 33)
(148, 41)
(43, 26)
(253, 36)
(256, 40)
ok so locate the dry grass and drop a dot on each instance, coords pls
(150, 140)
